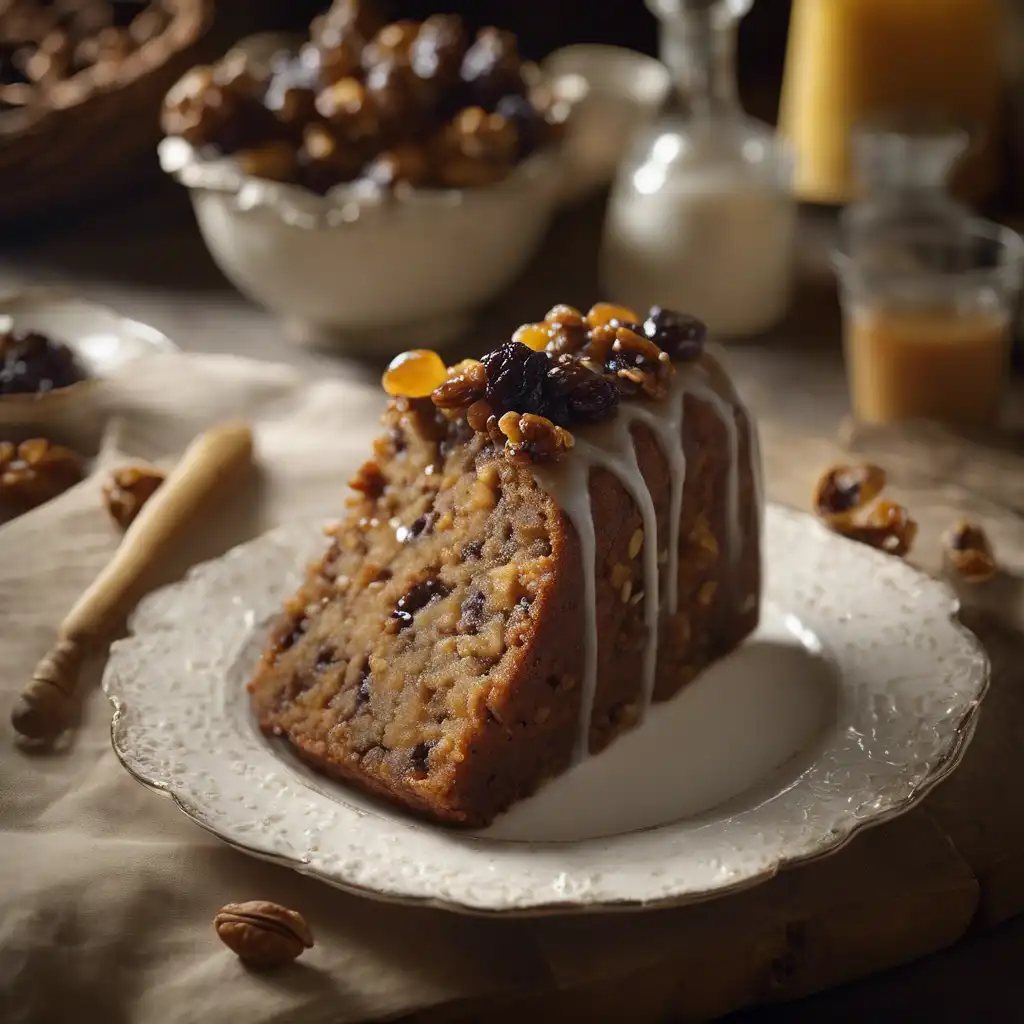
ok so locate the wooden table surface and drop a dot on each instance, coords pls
(146, 259)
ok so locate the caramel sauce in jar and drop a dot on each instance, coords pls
(935, 363)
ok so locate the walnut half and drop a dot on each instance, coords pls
(128, 489)
(35, 471)
(263, 934)
(844, 489)
(841, 501)
(888, 527)
(969, 553)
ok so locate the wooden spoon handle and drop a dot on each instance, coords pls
(212, 458)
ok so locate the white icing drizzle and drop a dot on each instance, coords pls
(612, 447)
(569, 485)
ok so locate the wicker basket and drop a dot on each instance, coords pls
(94, 128)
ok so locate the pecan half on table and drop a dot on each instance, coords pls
(263, 934)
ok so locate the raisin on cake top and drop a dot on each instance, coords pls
(569, 370)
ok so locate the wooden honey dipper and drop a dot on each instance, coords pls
(43, 709)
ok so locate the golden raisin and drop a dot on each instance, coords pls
(466, 384)
(601, 341)
(414, 374)
(567, 316)
(535, 336)
(604, 312)
(478, 415)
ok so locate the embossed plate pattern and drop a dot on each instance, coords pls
(910, 681)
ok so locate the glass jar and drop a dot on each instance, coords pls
(927, 321)
(928, 291)
(701, 218)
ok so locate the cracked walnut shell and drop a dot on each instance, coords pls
(35, 471)
(263, 934)
(128, 489)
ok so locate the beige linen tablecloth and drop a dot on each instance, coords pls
(106, 891)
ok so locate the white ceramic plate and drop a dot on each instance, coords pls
(857, 695)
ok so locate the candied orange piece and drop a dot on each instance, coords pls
(414, 374)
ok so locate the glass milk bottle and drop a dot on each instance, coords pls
(701, 218)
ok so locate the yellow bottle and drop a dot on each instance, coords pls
(849, 60)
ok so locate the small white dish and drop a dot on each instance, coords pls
(361, 273)
(102, 339)
(614, 93)
(858, 694)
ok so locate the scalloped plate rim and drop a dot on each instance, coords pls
(832, 842)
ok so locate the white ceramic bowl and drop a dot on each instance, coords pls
(614, 92)
(101, 339)
(359, 272)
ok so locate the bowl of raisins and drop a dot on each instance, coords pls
(55, 347)
(374, 179)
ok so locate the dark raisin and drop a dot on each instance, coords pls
(588, 397)
(530, 126)
(293, 635)
(326, 657)
(419, 756)
(472, 612)
(363, 690)
(678, 334)
(438, 49)
(419, 596)
(491, 68)
(401, 99)
(962, 540)
(515, 379)
(32, 363)
(291, 93)
(422, 524)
